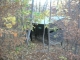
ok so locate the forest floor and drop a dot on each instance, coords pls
(17, 49)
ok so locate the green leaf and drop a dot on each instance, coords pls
(55, 36)
(17, 0)
(9, 21)
(62, 58)
(9, 25)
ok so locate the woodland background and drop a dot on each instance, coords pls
(17, 15)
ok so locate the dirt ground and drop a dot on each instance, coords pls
(13, 47)
(35, 51)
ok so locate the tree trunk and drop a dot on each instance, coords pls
(29, 30)
(75, 50)
(49, 28)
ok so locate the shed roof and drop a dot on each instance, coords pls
(46, 20)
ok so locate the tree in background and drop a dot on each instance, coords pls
(71, 25)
